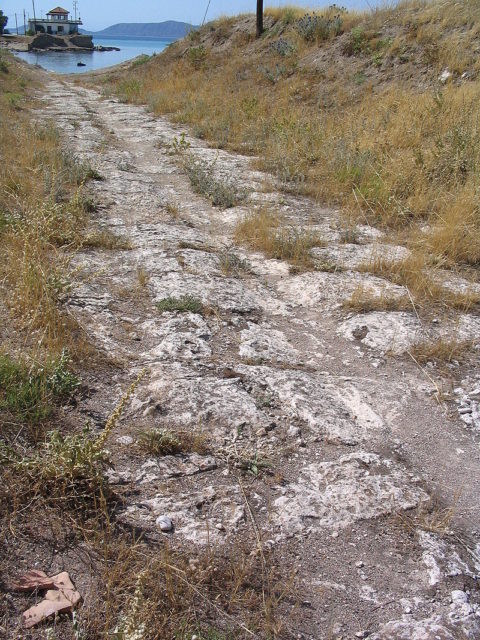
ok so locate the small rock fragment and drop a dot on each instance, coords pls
(444, 76)
(164, 523)
(149, 411)
(459, 597)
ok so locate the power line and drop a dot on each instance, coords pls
(206, 11)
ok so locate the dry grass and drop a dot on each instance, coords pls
(429, 517)
(216, 594)
(285, 15)
(390, 152)
(105, 239)
(143, 277)
(44, 213)
(365, 300)
(263, 231)
(442, 350)
(163, 442)
(172, 209)
(424, 290)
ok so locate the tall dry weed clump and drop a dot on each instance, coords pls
(43, 212)
(265, 231)
(399, 156)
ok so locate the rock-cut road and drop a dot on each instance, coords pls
(316, 420)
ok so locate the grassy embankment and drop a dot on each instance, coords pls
(44, 216)
(54, 495)
(346, 108)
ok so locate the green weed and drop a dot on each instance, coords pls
(221, 193)
(30, 392)
(184, 304)
(233, 266)
(142, 59)
(357, 42)
(254, 466)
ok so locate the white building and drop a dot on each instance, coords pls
(57, 22)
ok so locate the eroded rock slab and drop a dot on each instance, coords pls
(353, 487)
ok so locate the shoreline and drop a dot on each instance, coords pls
(46, 42)
(99, 48)
(74, 76)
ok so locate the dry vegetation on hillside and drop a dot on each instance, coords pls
(345, 107)
(45, 215)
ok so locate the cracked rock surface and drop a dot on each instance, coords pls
(336, 446)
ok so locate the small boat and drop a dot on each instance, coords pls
(81, 64)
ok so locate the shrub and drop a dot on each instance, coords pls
(65, 461)
(221, 193)
(357, 42)
(282, 47)
(313, 27)
(142, 59)
(232, 265)
(197, 56)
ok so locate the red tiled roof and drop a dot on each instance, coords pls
(58, 10)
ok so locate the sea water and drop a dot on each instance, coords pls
(67, 62)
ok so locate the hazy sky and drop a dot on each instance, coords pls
(98, 15)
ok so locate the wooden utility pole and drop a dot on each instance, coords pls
(24, 24)
(259, 18)
(16, 23)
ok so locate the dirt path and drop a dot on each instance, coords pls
(358, 447)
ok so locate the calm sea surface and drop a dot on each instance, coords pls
(62, 62)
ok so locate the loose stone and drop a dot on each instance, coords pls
(164, 523)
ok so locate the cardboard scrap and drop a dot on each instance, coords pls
(33, 580)
(62, 581)
(61, 596)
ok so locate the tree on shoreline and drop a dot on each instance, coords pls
(3, 21)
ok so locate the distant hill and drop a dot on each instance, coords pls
(168, 29)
